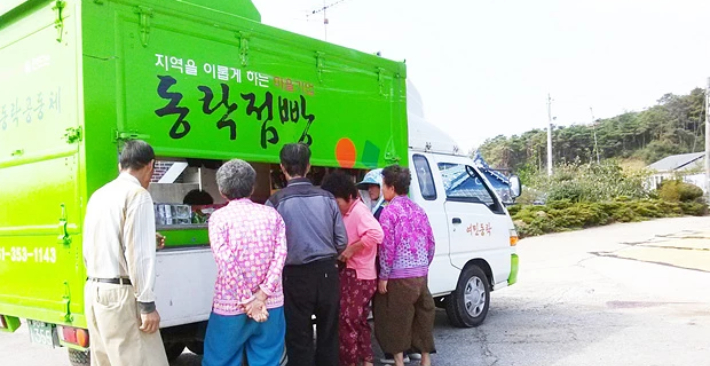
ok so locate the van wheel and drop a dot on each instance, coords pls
(468, 305)
(173, 350)
(79, 358)
(196, 347)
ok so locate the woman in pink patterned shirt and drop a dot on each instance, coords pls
(358, 278)
(248, 241)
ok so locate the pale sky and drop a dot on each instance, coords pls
(485, 67)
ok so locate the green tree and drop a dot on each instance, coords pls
(674, 125)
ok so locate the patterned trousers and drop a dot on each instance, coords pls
(354, 330)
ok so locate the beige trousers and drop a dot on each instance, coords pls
(113, 320)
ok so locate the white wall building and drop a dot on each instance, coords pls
(689, 167)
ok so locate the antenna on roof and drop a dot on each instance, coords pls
(325, 17)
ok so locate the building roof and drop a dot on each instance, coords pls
(678, 163)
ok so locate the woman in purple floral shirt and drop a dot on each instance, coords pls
(248, 241)
(404, 308)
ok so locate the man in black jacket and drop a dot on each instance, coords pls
(315, 236)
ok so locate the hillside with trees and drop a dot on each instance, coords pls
(674, 125)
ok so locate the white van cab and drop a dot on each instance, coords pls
(475, 236)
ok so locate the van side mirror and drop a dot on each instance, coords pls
(515, 186)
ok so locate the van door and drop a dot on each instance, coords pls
(426, 192)
(478, 224)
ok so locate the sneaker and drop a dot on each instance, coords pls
(389, 359)
(415, 356)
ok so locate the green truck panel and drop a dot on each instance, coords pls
(196, 79)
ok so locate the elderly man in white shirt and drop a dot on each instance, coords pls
(119, 253)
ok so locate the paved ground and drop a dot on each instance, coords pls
(577, 304)
(630, 294)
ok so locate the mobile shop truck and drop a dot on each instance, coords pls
(203, 82)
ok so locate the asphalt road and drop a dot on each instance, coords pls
(583, 298)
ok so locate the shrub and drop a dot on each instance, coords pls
(647, 209)
(590, 183)
(676, 190)
(560, 204)
(514, 209)
(689, 192)
(566, 215)
(568, 191)
(694, 208)
(624, 214)
(528, 196)
(669, 192)
(538, 226)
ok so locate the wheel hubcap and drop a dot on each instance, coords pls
(474, 296)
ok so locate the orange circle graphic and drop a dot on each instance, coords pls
(345, 153)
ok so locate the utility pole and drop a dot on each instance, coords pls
(594, 130)
(707, 141)
(549, 135)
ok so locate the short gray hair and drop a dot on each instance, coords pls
(236, 179)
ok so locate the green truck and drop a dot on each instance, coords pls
(202, 81)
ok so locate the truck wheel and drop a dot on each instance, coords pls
(173, 350)
(79, 358)
(468, 305)
(196, 347)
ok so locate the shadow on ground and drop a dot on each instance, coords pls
(515, 333)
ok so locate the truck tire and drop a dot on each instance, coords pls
(467, 306)
(79, 358)
(173, 350)
(196, 347)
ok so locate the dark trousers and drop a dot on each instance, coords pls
(312, 289)
(404, 316)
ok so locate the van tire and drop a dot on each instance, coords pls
(173, 350)
(79, 358)
(468, 305)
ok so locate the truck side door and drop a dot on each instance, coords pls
(41, 168)
(477, 222)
